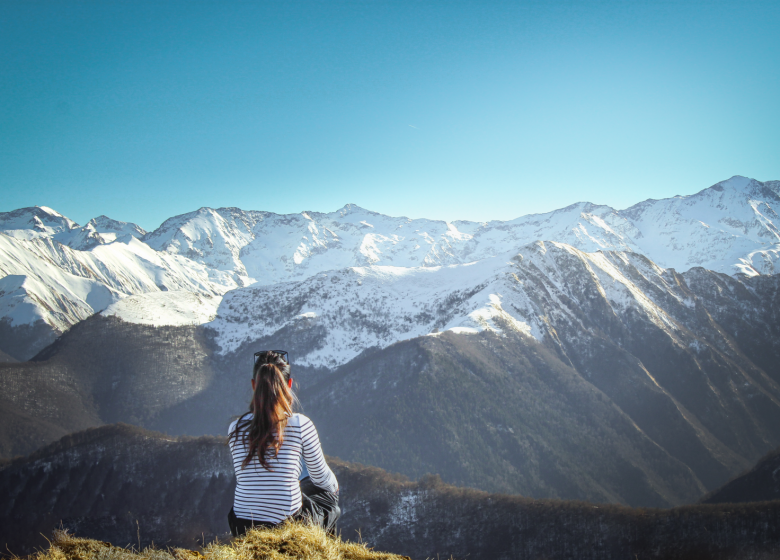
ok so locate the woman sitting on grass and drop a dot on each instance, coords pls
(267, 444)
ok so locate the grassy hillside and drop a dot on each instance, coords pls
(289, 541)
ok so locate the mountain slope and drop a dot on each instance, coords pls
(531, 437)
(22, 433)
(760, 483)
(500, 413)
(105, 370)
(5, 358)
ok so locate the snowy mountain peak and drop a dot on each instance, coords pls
(50, 211)
(745, 186)
(350, 208)
(211, 237)
(43, 222)
(34, 221)
(737, 182)
(105, 225)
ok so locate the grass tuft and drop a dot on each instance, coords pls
(290, 540)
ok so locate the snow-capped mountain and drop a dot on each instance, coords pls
(43, 222)
(110, 229)
(212, 237)
(534, 291)
(730, 227)
(124, 267)
(372, 306)
(39, 221)
(50, 286)
(691, 358)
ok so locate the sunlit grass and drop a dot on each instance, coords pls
(286, 541)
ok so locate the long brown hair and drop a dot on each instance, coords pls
(271, 407)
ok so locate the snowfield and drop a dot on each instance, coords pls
(166, 308)
(43, 279)
(375, 306)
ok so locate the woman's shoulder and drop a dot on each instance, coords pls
(243, 418)
(297, 419)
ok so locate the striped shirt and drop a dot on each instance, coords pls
(272, 495)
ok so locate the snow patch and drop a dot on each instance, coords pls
(166, 309)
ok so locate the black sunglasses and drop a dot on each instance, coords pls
(281, 353)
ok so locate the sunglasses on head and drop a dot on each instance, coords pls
(265, 354)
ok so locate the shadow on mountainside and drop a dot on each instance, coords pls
(760, 483)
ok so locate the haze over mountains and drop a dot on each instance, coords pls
(617, 356)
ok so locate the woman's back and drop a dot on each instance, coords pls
(270, 495)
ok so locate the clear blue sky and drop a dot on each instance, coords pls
(451, 110)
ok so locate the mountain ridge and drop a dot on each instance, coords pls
(729, 227)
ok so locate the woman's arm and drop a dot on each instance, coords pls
(319, 471)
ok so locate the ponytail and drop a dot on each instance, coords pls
(271, 407)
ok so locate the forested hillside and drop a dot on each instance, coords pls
(116, 483)
(760, 483)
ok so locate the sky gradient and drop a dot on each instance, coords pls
(447, 110)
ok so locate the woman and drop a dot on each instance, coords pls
(267, 444)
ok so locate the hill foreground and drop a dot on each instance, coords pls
(760, 483)
(127, 486)
(290, 540)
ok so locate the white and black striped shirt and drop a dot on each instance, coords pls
(272, 495)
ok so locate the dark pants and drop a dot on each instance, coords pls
(318, 506)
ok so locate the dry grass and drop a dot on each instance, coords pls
(287, 541)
